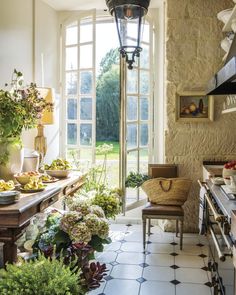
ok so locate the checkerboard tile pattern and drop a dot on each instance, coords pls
(162, 269)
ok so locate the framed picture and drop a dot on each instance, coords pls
(194, 107)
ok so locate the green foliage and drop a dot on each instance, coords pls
(109, 201)
(108, 98)
(135, 180)
(41, 276)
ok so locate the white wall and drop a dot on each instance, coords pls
(16, 32)
(19, 50)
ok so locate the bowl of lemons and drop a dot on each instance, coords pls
(59, 168)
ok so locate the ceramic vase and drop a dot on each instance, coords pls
(13, 158)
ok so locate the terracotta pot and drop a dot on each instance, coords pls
(14, 154)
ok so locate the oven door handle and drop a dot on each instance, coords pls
(220, 254)
(217, 217)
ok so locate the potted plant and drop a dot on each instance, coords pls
(41, 276)
(20, 108)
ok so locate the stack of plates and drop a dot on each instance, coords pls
(8, 197)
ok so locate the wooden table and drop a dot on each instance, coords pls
(16, 217)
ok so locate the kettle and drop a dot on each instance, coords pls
(31, 160)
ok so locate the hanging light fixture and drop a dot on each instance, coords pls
(129, 17)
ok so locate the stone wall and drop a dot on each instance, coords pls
(193, 55)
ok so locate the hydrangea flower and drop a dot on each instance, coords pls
(95, 209)
(69, 220)
(103, 231)
(92, 221)
(80, 233)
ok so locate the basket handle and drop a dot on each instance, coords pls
(165, 190)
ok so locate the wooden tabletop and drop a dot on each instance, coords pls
(30, 203)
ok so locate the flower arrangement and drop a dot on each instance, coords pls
(20, 107)
(109, 200)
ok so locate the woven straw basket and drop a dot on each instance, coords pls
(167, 191)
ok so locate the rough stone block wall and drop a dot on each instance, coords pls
(193, 55)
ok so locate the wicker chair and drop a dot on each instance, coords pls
(155, 211)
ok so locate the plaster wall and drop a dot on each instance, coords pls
(192, 56)
(29, 43)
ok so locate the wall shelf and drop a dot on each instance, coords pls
(231, 110)
(227, 26)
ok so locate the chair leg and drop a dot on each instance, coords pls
(177, 227)
(181, 234)
(149, 226)
(144, 232)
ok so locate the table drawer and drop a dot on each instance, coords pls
(48, 202)
(71, 189)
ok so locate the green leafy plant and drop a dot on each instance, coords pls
(135, 180)
(40, 276)
(20, 107)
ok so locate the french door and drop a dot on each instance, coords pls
(136, 117)
(79, 89)
(79, 101)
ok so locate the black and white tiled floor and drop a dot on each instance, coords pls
(162, 270)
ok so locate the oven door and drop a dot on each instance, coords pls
(220, 260)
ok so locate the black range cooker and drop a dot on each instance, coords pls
(215, 222)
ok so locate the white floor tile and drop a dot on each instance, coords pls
(122, 287)
(189, 261)
(131, 258)
(188, 250)
(132, 247)
(188, 240)
(191, 275)
(113, 246)
(157, 288)
(193, 289)
(160, 248)
(106, 257)
(126, 271)
(118, 227)
(161, 238)
(134, 236)
(160, 259)
(117, 236)
(159, 273)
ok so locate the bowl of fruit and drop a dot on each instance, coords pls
(6, 185)
(229, 170)
(34, 185)
(24, 177)
(59, 168)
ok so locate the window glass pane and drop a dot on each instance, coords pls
(72, 35)
(144, 134)
(143, 108)
(86, 109)
(132, 81)
(144, 57)
(132, 162)
(72, 109)
(86, 82)
(72, 133)
(71, 58)
(144, 82)
(71, 83)
(132, 108)
(86, 31)
(132, 135)
(145, 33)
(143, 160)
(86, 134)
(86, 56)
(80, 158)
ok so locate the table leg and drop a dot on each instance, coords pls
(9, 252)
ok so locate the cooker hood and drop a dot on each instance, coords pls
(224, 81)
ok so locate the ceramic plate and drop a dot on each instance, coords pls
(54, 179)
(32, 190)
